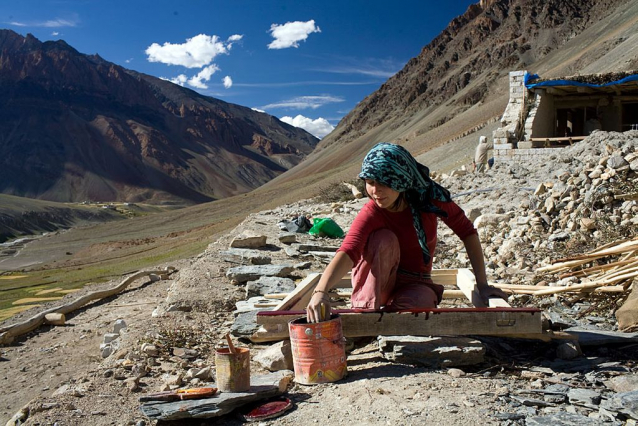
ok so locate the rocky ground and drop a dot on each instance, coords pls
(527, 215)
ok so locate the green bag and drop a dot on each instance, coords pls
(326, 228)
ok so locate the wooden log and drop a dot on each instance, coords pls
(417, 322)
(8, 333)
(55, 319)
(261, 387)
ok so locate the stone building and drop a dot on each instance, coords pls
(543, 115)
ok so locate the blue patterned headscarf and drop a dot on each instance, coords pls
(393, 166)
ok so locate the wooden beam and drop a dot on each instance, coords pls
(418, 322)
(300, 297)
(466, 282)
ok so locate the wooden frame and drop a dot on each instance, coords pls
(495, 318)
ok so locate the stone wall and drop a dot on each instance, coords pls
(524, 152)
(540, 120)
(513, 114)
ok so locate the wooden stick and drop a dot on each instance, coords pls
(609, 266)
(577, 287)
(231, 347)
(626, 246)
(8, 333)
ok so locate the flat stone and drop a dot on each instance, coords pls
(584, 397)
(243, 274)
(292, 251)
(316, 247)
(589, 337)
(248, 240)
(261, 387)
(562, 418)
(432, 351)
(625, 403)
(266, 285)
(287, 237)
(246, 323)
(625, 383)
(109, 337)
(246, 257)
(249, 305)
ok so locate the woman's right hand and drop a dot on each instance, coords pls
(313, 310)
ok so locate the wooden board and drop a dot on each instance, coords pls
(421, 322)
(466, 282)
(301, 295)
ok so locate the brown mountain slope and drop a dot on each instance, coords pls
(459, 80)
(75, 127)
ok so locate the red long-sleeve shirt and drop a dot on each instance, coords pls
(372, 217)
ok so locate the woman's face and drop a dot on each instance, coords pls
(383, 196)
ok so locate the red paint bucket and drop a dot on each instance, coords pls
(318, 350)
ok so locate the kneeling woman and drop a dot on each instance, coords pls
(390, 244)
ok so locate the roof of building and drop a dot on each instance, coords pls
(609, 82)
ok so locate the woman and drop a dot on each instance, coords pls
(390, 244)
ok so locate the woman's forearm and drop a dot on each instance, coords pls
(475, 254)
(340, 265)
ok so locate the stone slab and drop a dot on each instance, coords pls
(261, 387)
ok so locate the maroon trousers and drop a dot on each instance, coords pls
(377, 281)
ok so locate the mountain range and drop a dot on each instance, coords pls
(75, 127)
(441, 101)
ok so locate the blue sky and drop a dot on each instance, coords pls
(306, 62)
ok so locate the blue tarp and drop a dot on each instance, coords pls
(531, 77)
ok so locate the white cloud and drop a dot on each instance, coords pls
(196, 52)
(55, 33)
(319, 127)
(129, 60)
(291, 33)
(228, 82)
(180, 79)
(51, 23)
(258, 110)
(232, 39)
(205, 74)
(303, 102)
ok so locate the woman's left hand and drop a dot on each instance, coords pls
(489, 291)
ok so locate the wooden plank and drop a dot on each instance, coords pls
(300, 297)
(467, 284)
(420, 322)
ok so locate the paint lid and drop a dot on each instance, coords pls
(268, 410)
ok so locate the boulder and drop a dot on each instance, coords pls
(627, 314)
(276, 357)
(248, 240)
